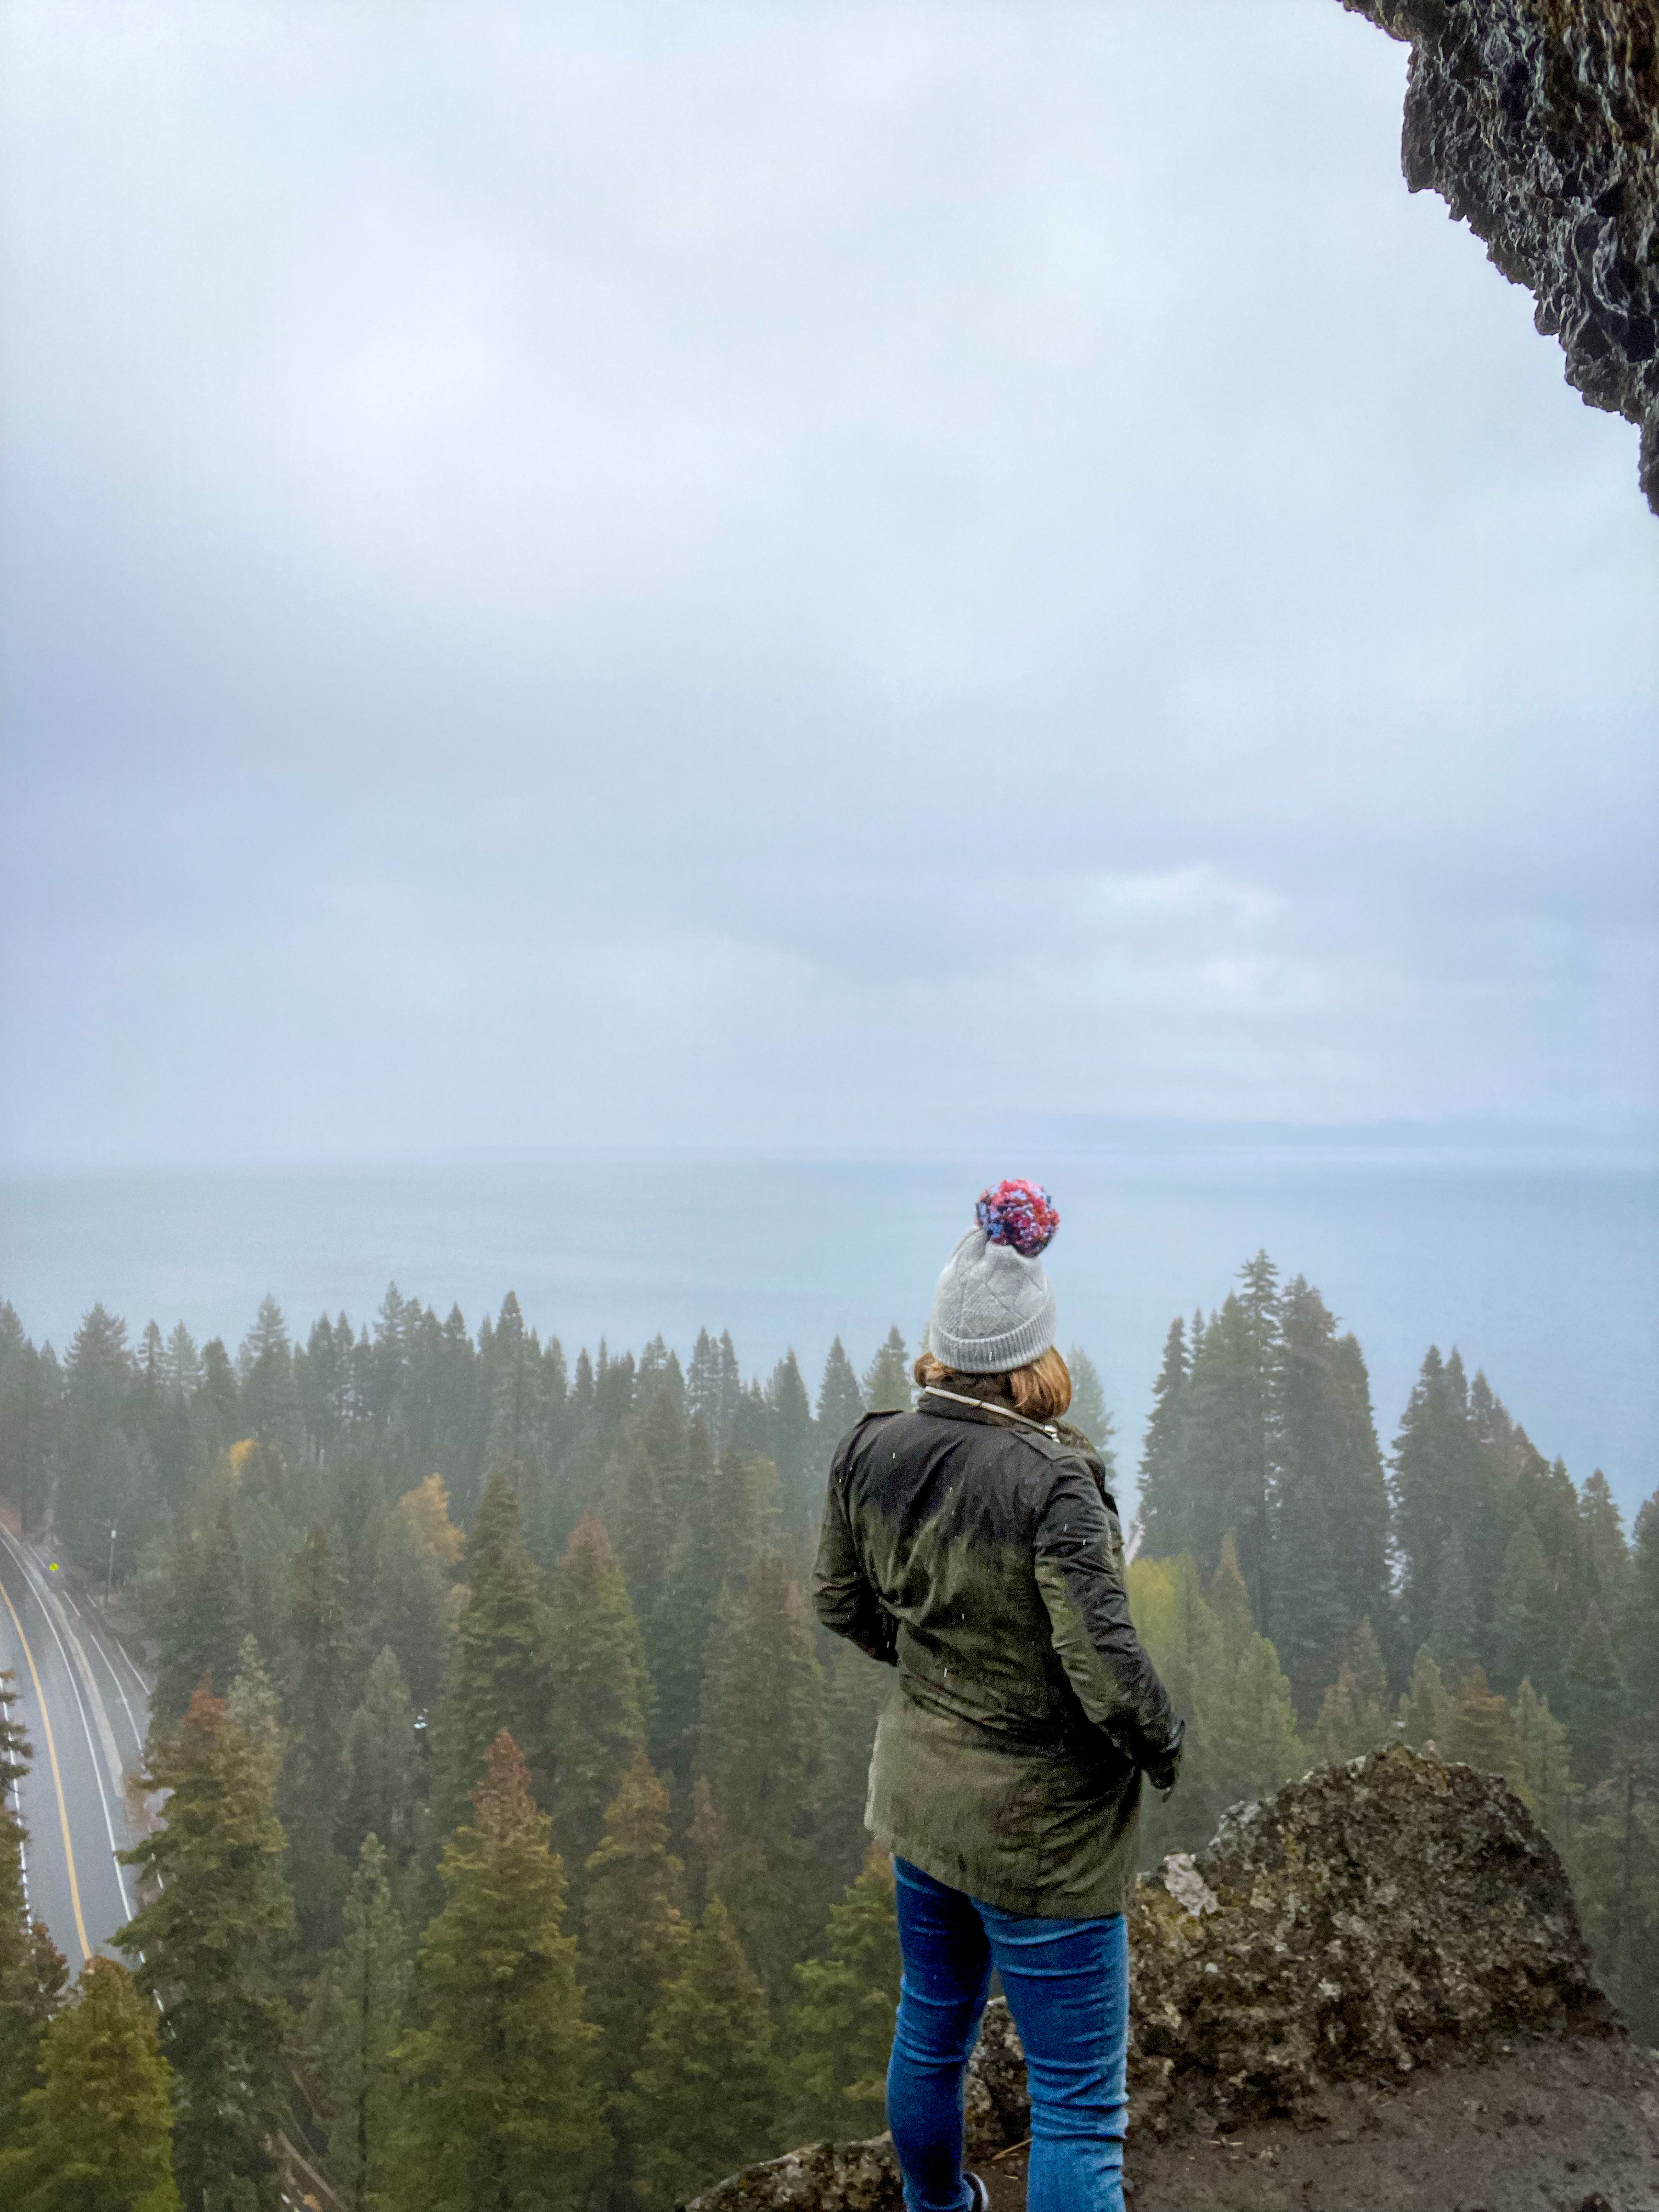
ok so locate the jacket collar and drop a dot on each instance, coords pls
(984, 1408)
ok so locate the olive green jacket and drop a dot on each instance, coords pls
(981, 1555)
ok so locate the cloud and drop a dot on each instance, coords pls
(567, 569)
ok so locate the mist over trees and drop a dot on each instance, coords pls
(499, 1729)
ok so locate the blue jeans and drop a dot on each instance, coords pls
(1067, 1983)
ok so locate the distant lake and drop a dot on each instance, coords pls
(1542, 1268)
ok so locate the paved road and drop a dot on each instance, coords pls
(83, 1704)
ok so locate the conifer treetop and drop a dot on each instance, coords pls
(503, 1805)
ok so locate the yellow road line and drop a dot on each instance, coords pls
(56, 1779)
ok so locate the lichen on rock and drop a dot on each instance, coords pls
(1355, 1921)
(1537, 121)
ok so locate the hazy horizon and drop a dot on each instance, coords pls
(1544, 1272)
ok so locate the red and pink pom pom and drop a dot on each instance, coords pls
(1018, 1213)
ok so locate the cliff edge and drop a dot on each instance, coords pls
(1363, 1986)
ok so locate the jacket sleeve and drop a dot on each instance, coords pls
(844, 1596)
(1079, 1572)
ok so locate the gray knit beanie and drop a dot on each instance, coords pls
(995, 1306)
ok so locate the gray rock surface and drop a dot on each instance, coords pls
(1537, 121)
(1357, 1923)
(1372, 1920)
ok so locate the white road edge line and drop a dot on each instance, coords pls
(94, 1638)
(44, 1596)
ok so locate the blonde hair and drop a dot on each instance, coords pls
(1041, 1389)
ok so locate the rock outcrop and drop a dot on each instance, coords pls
(1354, 1924)
(1369, 1920)
(1537, 121)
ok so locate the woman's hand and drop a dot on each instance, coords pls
(1161, 1770)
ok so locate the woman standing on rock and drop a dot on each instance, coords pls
(972, 1545)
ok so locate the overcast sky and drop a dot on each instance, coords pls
(792, 575)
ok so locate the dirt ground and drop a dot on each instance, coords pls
(1567, 2126)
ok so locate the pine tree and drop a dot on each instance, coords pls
(313, 1765)
(1253, 1738)
(1357, 1714)
(267, 1514)
(703, 2101)
(496, 1678)
(758, 1739)
(1089, 1410)
(99, 1401)
(32, 1972)
(30, 1398)
(380, 1371)
(1165, 1519)
(1183, 1637)
(1545, 1767)
(750, 1431)
(703, 1384)
(204, 1613)
(1443, 1487)
(183, 1371)
(1232, 1441)
(270, 1402)
(96, 2136)
(1452, 1629)
(1426, 1709)
(1604, 1542)
(633, 1943)
(641, 1522)
(705, 1843)
(1525, 1618)
(794, 1444)
(517, 1438)
(660, 1376)
(887, 1379)
(217, 1407)
(1480, 1730)
(840, 2027)
(317, 1383)
(1615, 1864)
(254, 1707)
(357, 2017)
(382, 1764)
(680, 1628)
(664, 1438)
(613, 1397)
(209, 1948)
(1241, 1731)
(743, 1520)
(1641, 1626)
(633, 1934)
(1596, 1699)
(1330, 1502)
(731, 1388)
(426, 1510)
(856, 1690)
(501, 2095)
(840, 1402)
(407, 1557)
(596, 1689)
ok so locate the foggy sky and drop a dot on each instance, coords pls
(788, 575)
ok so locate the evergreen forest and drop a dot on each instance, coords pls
(514, 1858)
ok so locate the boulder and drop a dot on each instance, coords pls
(1369, 1920)
(1537, 121)
(1354, 1924)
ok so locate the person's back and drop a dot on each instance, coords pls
(995, 1552)
(972, 1545)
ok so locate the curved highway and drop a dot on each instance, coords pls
(84, 1707)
